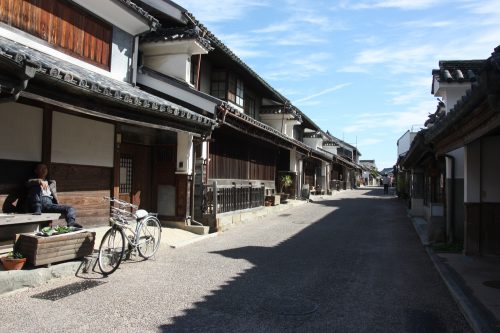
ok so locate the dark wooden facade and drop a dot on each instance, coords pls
(63, 26)
(237, 157)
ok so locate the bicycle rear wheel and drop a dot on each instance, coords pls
(111, 250)
(149, 236)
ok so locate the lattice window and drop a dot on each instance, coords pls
(125, 175)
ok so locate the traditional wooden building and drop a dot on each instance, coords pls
(459, 143)
(70, 100)
(259, 134)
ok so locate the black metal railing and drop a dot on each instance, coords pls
(227, 198)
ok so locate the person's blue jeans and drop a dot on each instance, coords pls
(40, 203)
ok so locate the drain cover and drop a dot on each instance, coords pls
(492, 284)
(289, 306)
(285, 215)
(70, 289)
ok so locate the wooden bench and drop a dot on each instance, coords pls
(12, 224)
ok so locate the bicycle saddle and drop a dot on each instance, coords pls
(139, 214)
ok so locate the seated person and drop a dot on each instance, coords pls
(42, 197)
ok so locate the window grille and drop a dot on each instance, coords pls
(125, 175)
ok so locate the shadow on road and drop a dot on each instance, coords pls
(361, 268)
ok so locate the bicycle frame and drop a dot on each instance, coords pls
(129, 231)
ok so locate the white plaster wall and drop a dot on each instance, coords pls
(184, 153)
(331, 149)
(20, 132)
(404, 142)
(490, 164)
(175, 65)
(313, 142)
(459, 157)
(472, 170)
(77, 140)
(454, 93)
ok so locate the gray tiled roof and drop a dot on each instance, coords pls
(153, 22)
(470, 100)
(249, 120)
(176, 34)
(316, 135)
(92, 82)
(457, 71)
(281, 109)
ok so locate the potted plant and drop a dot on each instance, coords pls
(286, 181)
(13, 261)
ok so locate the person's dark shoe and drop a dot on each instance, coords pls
(75, 225)
(37, 212)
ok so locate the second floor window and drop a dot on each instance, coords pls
(239, 92)
(218, 86)
(250, 107)
(228, 87)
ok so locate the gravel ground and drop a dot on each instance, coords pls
(350, 263)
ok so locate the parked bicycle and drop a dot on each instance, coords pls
(138, 228)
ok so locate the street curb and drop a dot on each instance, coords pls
(12, 281)
(472, 314)
(194, 240)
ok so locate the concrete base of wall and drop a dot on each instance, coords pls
(417, 207)
(225, 221)
(195, 229)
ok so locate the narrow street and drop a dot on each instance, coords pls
(351, 263)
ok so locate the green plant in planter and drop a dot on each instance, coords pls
(286, 181)
(15, 255)
(13, 261)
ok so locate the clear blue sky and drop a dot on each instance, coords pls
(359, 69)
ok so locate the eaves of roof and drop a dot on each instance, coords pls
(179, 84)
(177, 34)
(341, 160)
(226, 109)
(418, 150)
(152, 21)
(83, 80)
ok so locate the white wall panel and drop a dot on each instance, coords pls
(77, 140)
(20, 132)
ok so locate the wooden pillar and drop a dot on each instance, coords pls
(47, 135)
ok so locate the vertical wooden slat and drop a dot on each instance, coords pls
(63, 25)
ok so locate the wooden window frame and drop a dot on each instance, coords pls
(218, 85)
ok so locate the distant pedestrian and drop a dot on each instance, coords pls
(385, 181)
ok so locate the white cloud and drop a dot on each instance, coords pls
(393, 122)
(398, 4)
(323, 92)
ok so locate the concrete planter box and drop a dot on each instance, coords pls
(41, 250)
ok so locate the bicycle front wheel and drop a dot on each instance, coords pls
(111, 251)
(149, 235)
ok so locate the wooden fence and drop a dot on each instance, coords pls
(227, 198)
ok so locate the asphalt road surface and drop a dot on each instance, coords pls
(351, 263)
